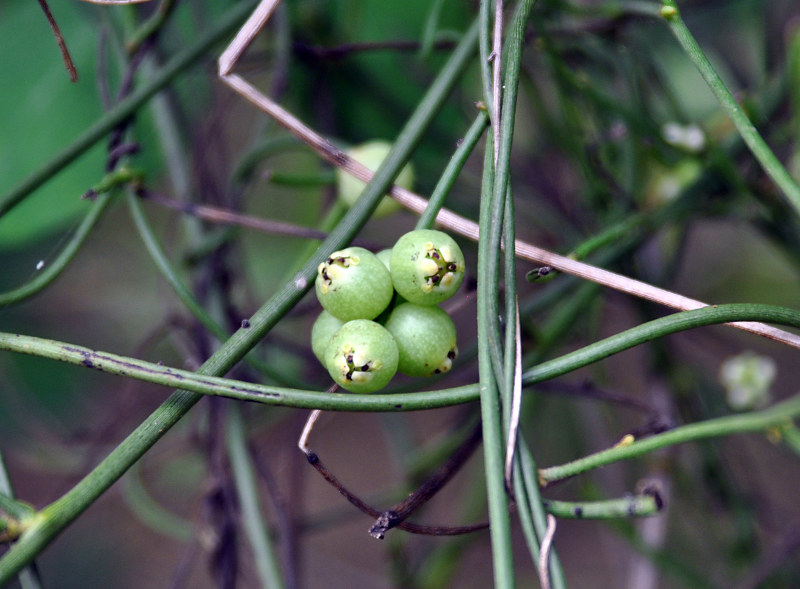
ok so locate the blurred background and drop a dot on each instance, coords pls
(615, 128)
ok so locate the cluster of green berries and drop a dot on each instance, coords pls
(380, 311)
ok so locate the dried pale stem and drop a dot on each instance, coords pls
(544, 554)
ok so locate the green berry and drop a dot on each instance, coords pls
(426, 339)
(371, 155)
(361, 356)
(353, 284)
(427, 266)
(322, 331)
(385, 256)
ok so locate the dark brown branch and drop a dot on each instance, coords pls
(432, 485)
(395, 516)
(62, 45)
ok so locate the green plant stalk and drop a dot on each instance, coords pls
(790, 436)
(139, 501)
(305, 180)
(485, 49)
(249, 163)
(634, 506)
(167, 271)
(58, 515)
(13, 508)
(150, 27)
(525, 513)
(28, 577)
(287, 397)
(429, 31)
(529, 485)
(772, 166)
(672, 323)
(493, 202)
(248, 493)
(230, 388)
(53, 270)
(511, 308)
(758, 421)
(491, 417)
(127, 107)
(451, 172)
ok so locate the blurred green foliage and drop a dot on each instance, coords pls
(599, 82)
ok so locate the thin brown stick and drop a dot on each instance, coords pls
(425, 530)
(228, 217)
(396, 514)
(62, 45)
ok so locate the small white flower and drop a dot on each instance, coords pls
(690, 138)
(747, 379)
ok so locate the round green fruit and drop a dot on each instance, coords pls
(321, 333)
(385, 256)
(362, 356)
(371, 155)
(427, 266)
(353, 284)
(425, 337)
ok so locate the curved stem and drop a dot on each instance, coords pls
(54, 269)
(633, 506)
(248, 492)
(205, 384)
(448, 178)
(777, 416)
(772, 166)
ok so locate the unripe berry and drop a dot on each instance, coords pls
(361, 356)
(321, 333)
(427, 266)
(426, 339)
(371, 155)
(353, 284)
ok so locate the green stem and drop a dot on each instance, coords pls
(790, 435)
(185, 295)
(772, 166)
(150, 27)
(247, 491)
(758, 421)
(127, 107)
(493, 203)
(151, 513)
(451, 172)
(658, 328)
(634, 506)
(167, 271)
(272, 395)
(528, 484)
(488, 342)
(54, 268)
(58, 515)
